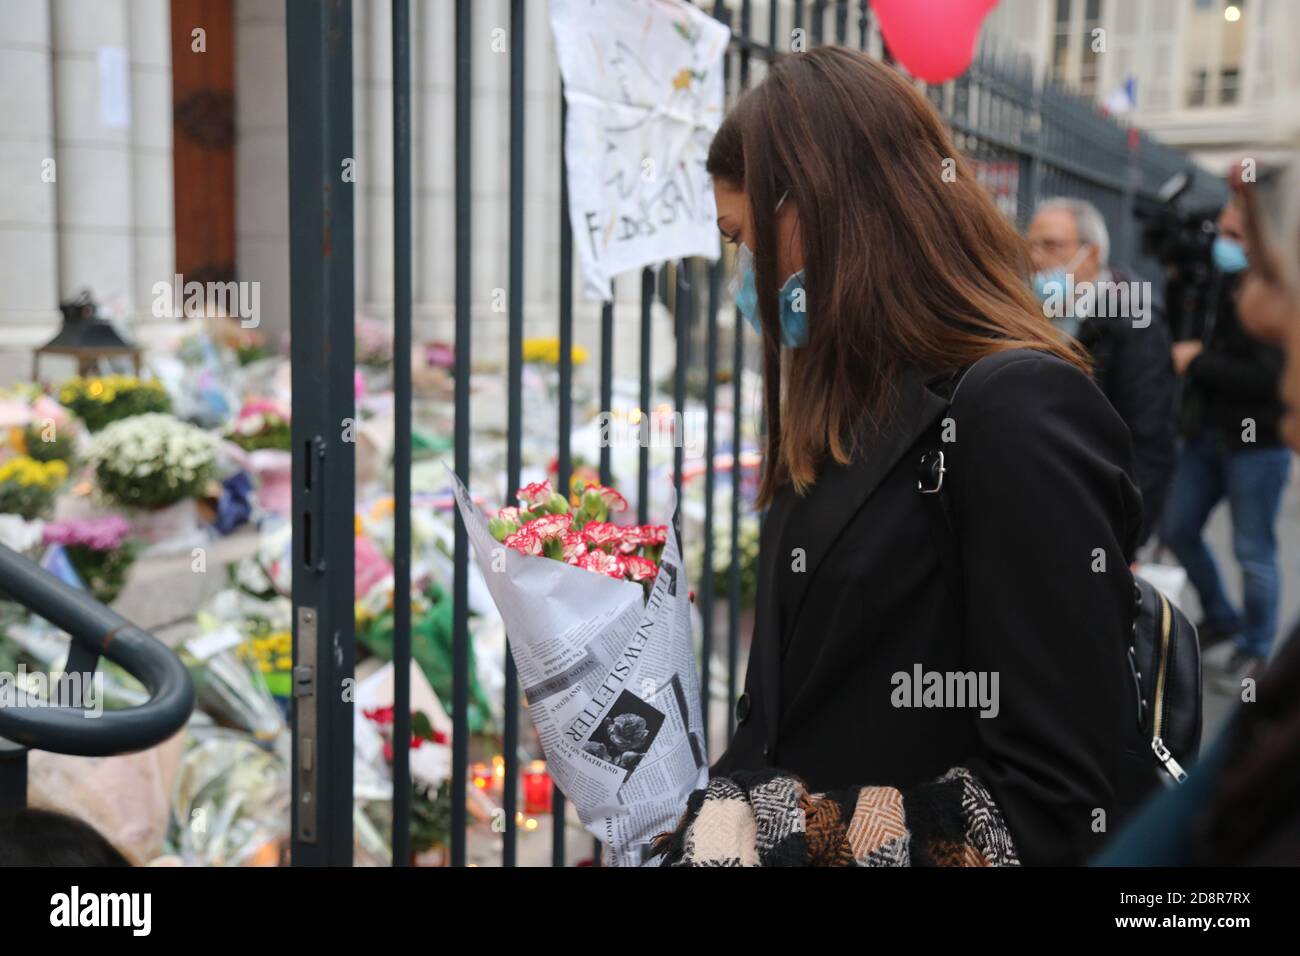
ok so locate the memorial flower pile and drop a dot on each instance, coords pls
(545, 524)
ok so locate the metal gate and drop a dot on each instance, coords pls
(1026, 141)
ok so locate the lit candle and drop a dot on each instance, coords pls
(537, 788)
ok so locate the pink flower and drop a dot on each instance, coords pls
(538, 491)
(509, 514)
(525, 542)
(549, 526)
(440, 355)
(602, 534)
(640, 569)
(265, 407)
(370, 566)
(653, 535)
(614, 501)
(643, 536)
(602, 563)
(574, 544)
(97, 534)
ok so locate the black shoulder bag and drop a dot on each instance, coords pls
(1164, 655)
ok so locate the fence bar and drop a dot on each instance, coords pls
(322, 311)
(710, 477)
(460, 612)
(401, 431)
(682, 324)
(645, 425)
(565, 463)
(514, 413)
(746, 28)
(733, 572)
(606, 380)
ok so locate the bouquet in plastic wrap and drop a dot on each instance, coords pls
(231, 802)
(598, 619)
(239, 660)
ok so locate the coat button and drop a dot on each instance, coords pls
(742, 708)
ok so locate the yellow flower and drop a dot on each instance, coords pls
(28, 472)
(547, 350)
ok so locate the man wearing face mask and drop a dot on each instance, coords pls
(1229, 422)
(1130, 351)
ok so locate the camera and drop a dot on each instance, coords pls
(1180, 240)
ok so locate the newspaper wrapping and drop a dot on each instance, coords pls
(611, 684)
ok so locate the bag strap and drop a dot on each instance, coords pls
(933, 470)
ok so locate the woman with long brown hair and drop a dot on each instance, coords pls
(944, 585)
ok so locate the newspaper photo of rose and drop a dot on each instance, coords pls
(596, 612)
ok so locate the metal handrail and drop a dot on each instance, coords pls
(95, 630)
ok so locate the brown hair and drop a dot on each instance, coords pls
(903, 265)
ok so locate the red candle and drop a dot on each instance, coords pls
(537, 787)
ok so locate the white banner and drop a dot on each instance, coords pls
(644, 88)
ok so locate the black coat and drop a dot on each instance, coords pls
(1134, 368)
(1235, 378)
(1039, 475)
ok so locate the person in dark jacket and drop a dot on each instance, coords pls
(922, 616)
(1121, 323)
(1240, 804)
(1231, 449)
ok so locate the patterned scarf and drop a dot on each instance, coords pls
(768, 818)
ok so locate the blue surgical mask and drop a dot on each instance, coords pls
(1228, 254)
(793, 299)
(1047, 281)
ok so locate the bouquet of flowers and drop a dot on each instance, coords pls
(28, 486)
(271, 653)
(98, 551)
(546, 525)
(374, 343)
(261, 424)
(430, 777)
(598, 621)
(37, 425)
(101, 401)
(151, 461)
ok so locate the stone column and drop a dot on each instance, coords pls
(93, 147)
(153, 211)
(262, 160)
(29, 286)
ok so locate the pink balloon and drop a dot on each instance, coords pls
(933, 39)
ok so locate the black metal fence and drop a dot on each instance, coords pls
(1026, 141)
